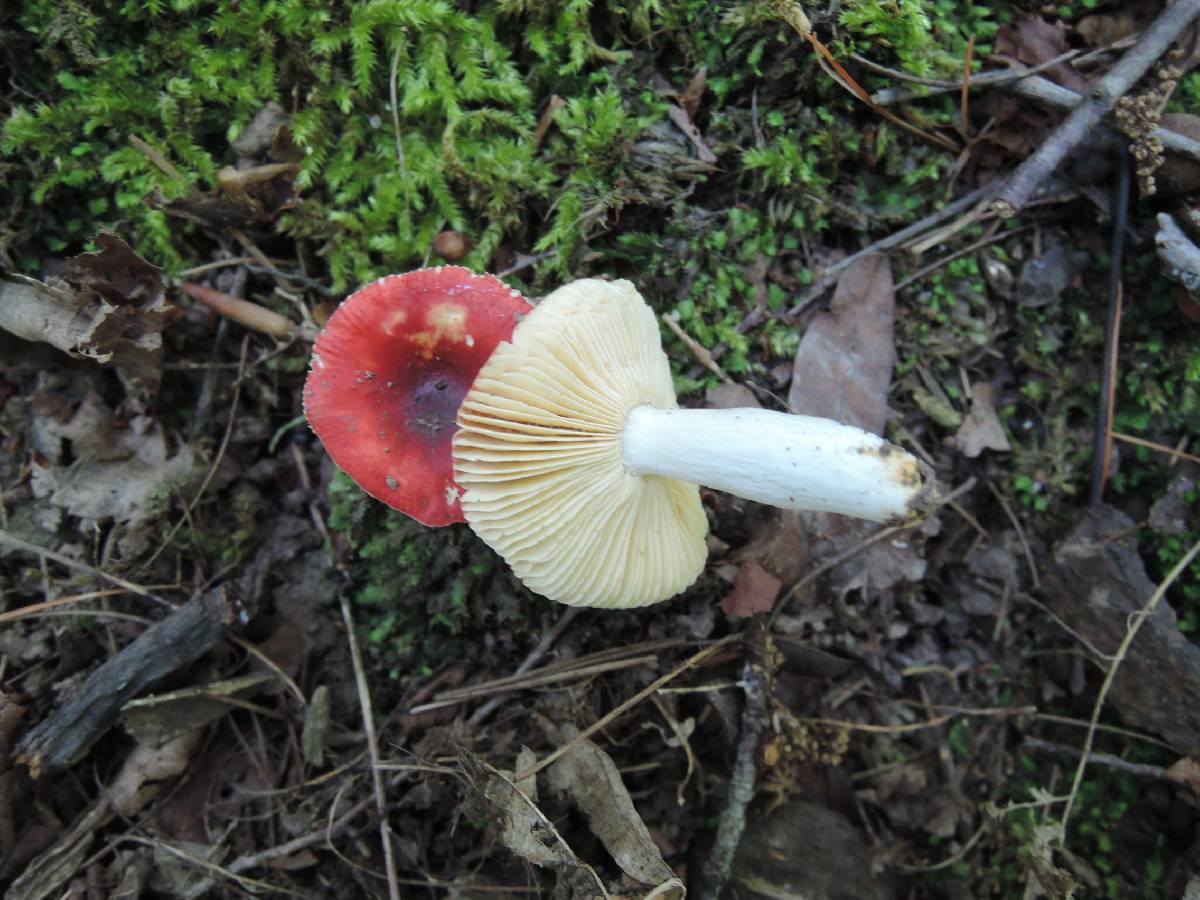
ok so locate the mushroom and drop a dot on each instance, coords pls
(388, 374)
(579, 468)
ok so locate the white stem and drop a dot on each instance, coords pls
(793, 462)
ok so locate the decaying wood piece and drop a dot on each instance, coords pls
(1179, 256)
(183, 637)
(1096, 583)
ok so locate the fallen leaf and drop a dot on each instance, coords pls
(981, 429)
(146, 767)
(159, 718)
(754, 591)
(525, 829)
(1185, 770)
(1035, 41)
(843, 366)
(685, 124)
(843, 371)
(114, 470)
(730, 396)
(110, 308)
(690, 98)
(314, 738)
(1102, 29)
(590, 778)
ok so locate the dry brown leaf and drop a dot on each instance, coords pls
(685, 124)
(843, 371)
(110, 308)
(843, 366)
(730, 396)
(981, 429)
(590, 778)
(690, 98)
(754, 591)
(1035, 41)
(146, 767)
(525, 829)
(1185, 770)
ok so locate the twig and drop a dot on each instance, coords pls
(1151, 445)
(400, 161)
(745, 770)
(964, 99)
(1104, 759)
(216, 463)
(65, 736)
(690, 663)
(1102, 97)
(954, 857)
(830, 276)
(35, 609)
(368, 717)
(951, 257)
(535, 656)
(698, 350)
(24, 546)
(1102, 438)
(517, 683)
(882, 534)
(1135, 625)
(1016, 524)
(1041, 90)
(253, 861)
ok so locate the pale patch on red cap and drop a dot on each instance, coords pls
(389, 372)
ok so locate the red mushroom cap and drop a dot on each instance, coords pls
(389, 372)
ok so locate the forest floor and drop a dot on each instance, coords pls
(225, 670)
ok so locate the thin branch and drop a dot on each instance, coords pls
(1102, 97)
(368, 717)
(830, 276)
(1102, 439)
(535, 656)
(11, 540)
(1151, 445)
(690, 663)
(732, 822)
(1135, 625)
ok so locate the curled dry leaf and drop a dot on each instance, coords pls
(981, 429)
(525, 829)
(110, 308)
(754, 591)
(590, 778)
(116, 470)
(250, 196)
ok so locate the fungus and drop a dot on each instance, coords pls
(581, 471)
(387, 376)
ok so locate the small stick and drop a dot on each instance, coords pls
(732, 821)
(244, 312)
(1024, 84)
(17, 543)
(1151, 445)
(1102, 97)
(698, 350)
(690, 663)
(831, 275)
(964, 99)
(1102, 440)
(368, 718)
(1105, 759)
(1016, 524)
(1135, 625)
